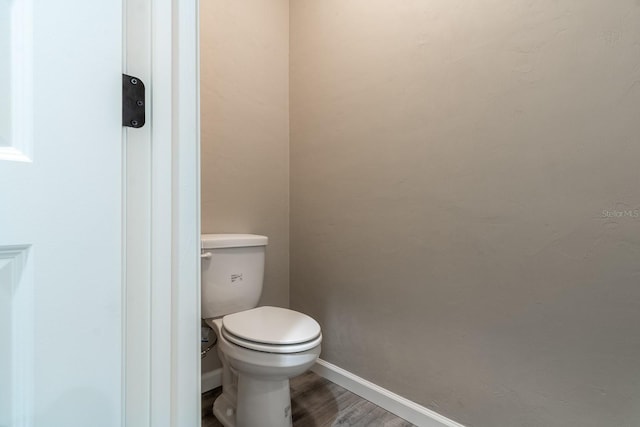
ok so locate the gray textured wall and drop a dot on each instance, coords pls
(450, 165)
(244, 56)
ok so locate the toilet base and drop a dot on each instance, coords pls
(260, 403)
(224, 411)
(263, 403)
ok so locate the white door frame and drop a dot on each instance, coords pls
(185, 184)
(162, 218)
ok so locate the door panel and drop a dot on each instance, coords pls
(61, 214)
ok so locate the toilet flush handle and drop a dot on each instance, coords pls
(205, 255)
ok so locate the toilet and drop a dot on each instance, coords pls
(260, 348)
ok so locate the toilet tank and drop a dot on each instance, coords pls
(232, 272)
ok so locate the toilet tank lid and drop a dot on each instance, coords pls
(213, 241)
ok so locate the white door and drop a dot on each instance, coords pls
(61, 268)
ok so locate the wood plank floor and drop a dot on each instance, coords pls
(317, 402)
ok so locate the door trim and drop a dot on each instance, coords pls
(186, 398)
(162, 286)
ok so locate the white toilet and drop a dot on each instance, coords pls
(260, 348)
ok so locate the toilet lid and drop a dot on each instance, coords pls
(272, 326)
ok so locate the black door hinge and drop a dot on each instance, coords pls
(132, 102)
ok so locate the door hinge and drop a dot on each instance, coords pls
(132, 102)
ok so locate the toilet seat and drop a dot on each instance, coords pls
(272, 330)
(272, 348)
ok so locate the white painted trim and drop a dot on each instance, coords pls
(162, 360)
(162, 221)
(175, 215)
(398, 405)
(211, 380)
(186, 379)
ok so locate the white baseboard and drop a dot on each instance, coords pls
(211, 380)
(398, 405)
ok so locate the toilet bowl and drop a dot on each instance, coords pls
(260, 348)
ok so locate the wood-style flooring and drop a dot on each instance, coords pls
(317, 402)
